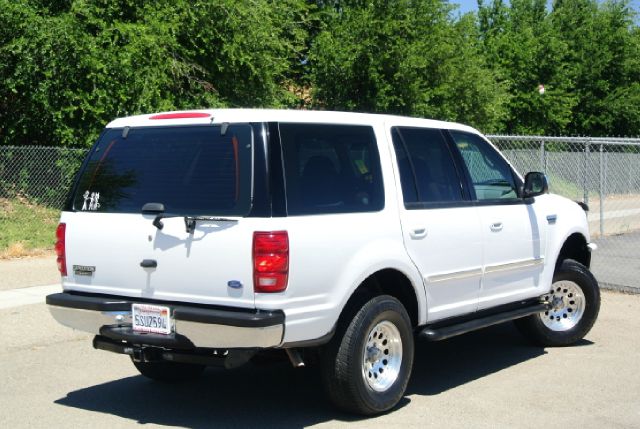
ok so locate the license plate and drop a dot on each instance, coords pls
(151, 318)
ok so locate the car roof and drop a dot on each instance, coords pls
(218, 116)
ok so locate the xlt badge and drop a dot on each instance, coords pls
(83, 270)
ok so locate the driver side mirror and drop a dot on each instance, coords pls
(535, 183)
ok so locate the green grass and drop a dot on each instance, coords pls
(566, 189)
(26, 229)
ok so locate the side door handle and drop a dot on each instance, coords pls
(418, 233)
(496, 226)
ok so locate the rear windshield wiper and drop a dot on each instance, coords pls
(189, 221)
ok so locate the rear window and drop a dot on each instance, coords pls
(194, 170)
(331, 169)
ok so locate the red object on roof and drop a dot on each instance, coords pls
(181, 115)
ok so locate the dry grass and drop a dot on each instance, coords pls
(19, 250)
(26, 229)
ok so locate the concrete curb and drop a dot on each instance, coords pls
(28, 295)
(620, 288)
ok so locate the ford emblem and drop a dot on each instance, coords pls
(234, 284)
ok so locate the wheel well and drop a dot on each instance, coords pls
(575, 247)
(384, 282)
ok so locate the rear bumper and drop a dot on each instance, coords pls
(194, 326)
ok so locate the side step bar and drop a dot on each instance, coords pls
(440, 333)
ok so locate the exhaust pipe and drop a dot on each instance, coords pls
(295, 358)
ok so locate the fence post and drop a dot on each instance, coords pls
(585, 196)
(602, 190)
(543, 159)
(631, 175)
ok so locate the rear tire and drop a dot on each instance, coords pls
(575, 300)
(169, 372)
(366, 366)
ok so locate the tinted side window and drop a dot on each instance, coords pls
(491, 176)
(331, 169)
(427, 169)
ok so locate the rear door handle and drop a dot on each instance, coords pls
(418, 233)
(496, 226)
(149, 263)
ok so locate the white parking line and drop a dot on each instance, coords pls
(25, 296)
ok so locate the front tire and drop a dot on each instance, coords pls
(575, 303)
(169, 372)
(367, 368)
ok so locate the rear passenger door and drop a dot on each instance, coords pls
(513, 233)
(440, 225)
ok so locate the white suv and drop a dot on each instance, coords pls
(202, 238)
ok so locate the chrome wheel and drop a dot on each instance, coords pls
(567, 306)
(382, 356)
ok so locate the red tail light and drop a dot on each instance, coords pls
(60, 249)
(270, 261)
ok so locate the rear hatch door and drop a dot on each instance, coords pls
(195, 178)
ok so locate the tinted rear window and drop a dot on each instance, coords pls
(191, 170)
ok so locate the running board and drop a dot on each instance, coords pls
(440, 333)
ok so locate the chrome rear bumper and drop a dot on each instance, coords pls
(200, 327)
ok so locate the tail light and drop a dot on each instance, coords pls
(60, 249)
(270, 261)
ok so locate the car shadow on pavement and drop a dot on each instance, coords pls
(280, 396)
(444, 365)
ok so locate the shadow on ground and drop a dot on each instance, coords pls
(280, 396)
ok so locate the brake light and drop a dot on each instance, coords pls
(270, 261)
(60, 249)
(181, 115)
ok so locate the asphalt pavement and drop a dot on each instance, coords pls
(616, 263)
(27, 272)
(51, 377)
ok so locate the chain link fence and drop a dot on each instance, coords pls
(602, 172)
(605, 174)
(39, 174)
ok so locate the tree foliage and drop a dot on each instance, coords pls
(404, 57)
(603, 63)
(67, 67)
(585, 54)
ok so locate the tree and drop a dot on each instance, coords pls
(604, 65)
(403, 57)
(525, 51)
(67, 68)
(585, 54)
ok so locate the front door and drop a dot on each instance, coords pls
(513, 234)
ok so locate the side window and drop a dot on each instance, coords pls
(427, 169)
(491, 176)
(331, 169)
